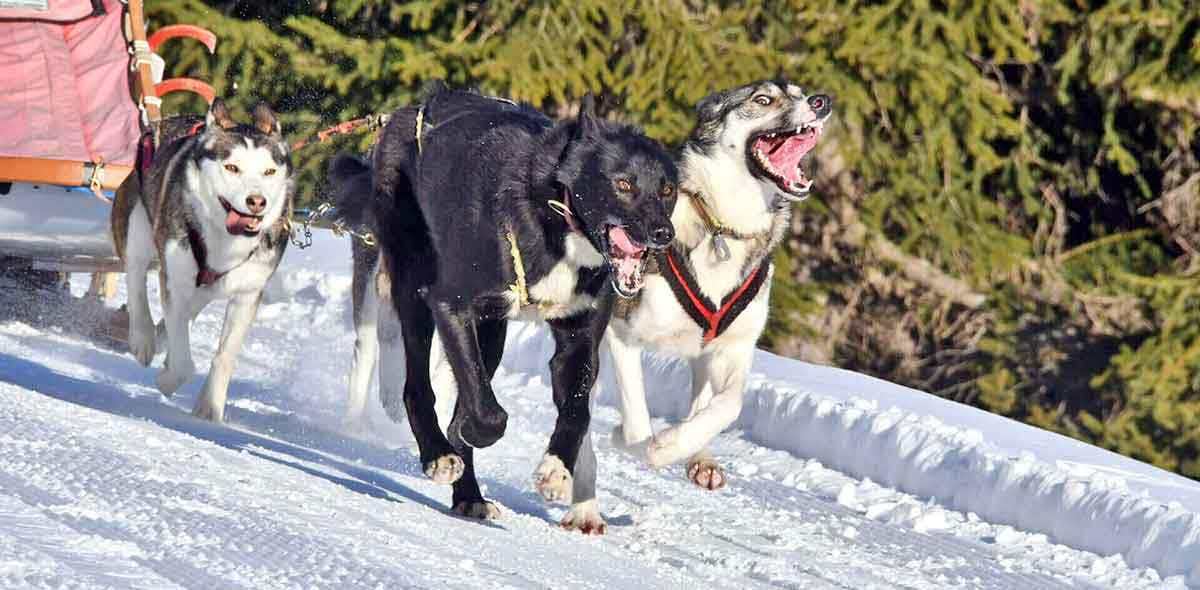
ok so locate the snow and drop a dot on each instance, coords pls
(837, 480)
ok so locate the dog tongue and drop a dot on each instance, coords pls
(627, 258)
(786, 152)
(623, 243)
(236, 223)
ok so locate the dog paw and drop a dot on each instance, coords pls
(142, 344)
(445, 469)
(706, 473)
(480, 432)
(552, 479)
(663, 448)
(206, 409)
(585, 518)
(170, 379)
(477, 509)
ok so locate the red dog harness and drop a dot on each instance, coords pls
(715, 320)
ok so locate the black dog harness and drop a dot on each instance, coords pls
(205, 275)
(682, 280)
(714, 319)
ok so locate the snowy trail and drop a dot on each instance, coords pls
(105, 484)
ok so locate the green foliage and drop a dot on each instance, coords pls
(1040, 154)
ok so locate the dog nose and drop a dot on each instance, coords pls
(821, 104)
(256, 203)
(661, 236)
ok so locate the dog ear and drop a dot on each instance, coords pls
(218, 116)
(265, 121)
(709, 107)
(588, 123)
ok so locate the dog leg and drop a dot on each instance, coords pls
(439, 460)
(479, 420)
(702, 469)
(584, 515)
(727, 371)
(239, 315)
(178, 292)
(635, 417)
(391, 359)
(139, 254)
(445, 389)
(467, 498)
(573, 372)
(366, 340)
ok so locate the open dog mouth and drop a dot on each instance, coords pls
(238, 223)
(627, 259)
(779, 155)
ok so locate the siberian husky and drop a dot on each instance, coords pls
(706, 296)
(210, 209)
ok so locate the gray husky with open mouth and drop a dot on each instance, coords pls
(706, 297)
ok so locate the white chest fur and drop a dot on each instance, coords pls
(553, 295)
(660, 322)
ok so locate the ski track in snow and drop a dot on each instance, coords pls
(106, 484)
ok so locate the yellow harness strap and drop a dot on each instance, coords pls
(706, 215)
(519, 286)
(420, 125)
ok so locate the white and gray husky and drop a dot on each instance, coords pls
(705, 298)
(211, 210)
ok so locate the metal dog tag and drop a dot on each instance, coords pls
(721, 247)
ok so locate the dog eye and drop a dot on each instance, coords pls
(763, 100)
(667, 189)
(269, 172)
(232, 168)
(624, 185)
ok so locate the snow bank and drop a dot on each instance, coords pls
(1003, 471)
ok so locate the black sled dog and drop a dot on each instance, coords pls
(487, 211)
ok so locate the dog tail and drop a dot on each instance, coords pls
(350, 178)
(393, 158)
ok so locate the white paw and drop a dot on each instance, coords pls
(585, 518)
(664, 448)
(445, 469)
(706, 473)
(552, 479)
(170, 379)
(207, 409)
(141, 342)
(482, 510)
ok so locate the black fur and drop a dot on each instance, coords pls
(350, 177)
(485, 167)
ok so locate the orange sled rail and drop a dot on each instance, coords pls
(62, 172)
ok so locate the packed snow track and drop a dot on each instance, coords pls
(106, 484)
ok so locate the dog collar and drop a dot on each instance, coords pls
(716, 229)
